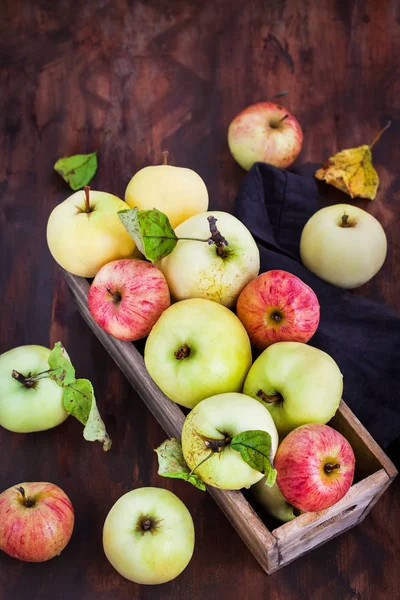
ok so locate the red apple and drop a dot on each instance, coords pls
(315, 466)
(278, 307)
(265, 132)
(127, 297)
(36, 521)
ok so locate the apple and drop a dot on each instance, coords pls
(148, 536)
(278, 307)
(195, 269)
(265, 132)
(196, 349)
(343, 245)
(27, 407)
(84, 232)
(36, 521)
(297, 383)
(273, 501)
(315, 465)
(220, 418)
(178, 192)
(127, 297)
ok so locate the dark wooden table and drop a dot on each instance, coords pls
(130, 79)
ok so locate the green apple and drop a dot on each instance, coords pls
(196, 349)
(272, 500)
(299, 384)
(220, 418)
(343, 245)
(178, 192)
(28, 408)
(148, 536)
(84, 232)
(199, 270)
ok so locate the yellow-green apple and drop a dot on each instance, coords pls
(265, 132)
(196, 349)
(315, 465)
(278, 307)
(297, 383)
(343, 245)
(148, 536)
(178, 192)
(220, 418)
(273, 501)
(126, 298)
(216, 272)
(27, 404)
(84, 232)
(36, 521)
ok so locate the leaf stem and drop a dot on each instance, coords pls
(378, 135)
(201, 462)
(87, 198)
(165, 157)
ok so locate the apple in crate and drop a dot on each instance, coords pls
(195, 269)
(273, 501)
(26, 405)
(127, 297)
(265, 132)
(196, 349)
(178, 192)
(148, 536)
(315, 466)
(84, 232)
(219, 419)
(278, 307)
(343, 245)
(297, 383)
(36, 521)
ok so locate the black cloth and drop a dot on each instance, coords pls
(361, 335)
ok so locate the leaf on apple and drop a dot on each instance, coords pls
(151, 231)
(61, 369)
(255, 449)
(77, 170)
(79, 401)
(171, 463)
(351, 171)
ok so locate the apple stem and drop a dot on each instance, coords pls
(116, 295)
(218, 445)
(378, 135)
(87, 199)
(29, 381)
(283, 118)
(28, 502)
(216, 237)
(165, 157)
(269, 398)
(345, 221)
(146, 525)
(329, 467)
(183, 352)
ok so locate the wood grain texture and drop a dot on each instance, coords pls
(131, 78)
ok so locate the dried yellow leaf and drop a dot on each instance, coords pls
(351, 171)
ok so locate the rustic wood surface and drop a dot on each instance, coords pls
(131, 78)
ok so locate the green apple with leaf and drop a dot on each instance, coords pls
(38, 390)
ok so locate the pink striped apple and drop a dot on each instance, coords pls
(127, 297)
(36, 521)
(315, 466)
(278, 307)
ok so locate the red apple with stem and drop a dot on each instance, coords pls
(36, 521)
(278, 307)
(127, 297)
(315, 466)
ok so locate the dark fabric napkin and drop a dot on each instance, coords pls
(361, 335)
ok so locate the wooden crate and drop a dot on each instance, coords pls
(279, 546)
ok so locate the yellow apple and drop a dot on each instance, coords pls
(84, 232)
(178, 192)
(343, 245)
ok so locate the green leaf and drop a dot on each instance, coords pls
(79, 401)
(171, 463)
(77, 170)
(62, 371)
(255, 449)
(151, 231)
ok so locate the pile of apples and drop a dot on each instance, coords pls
(200, 351)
